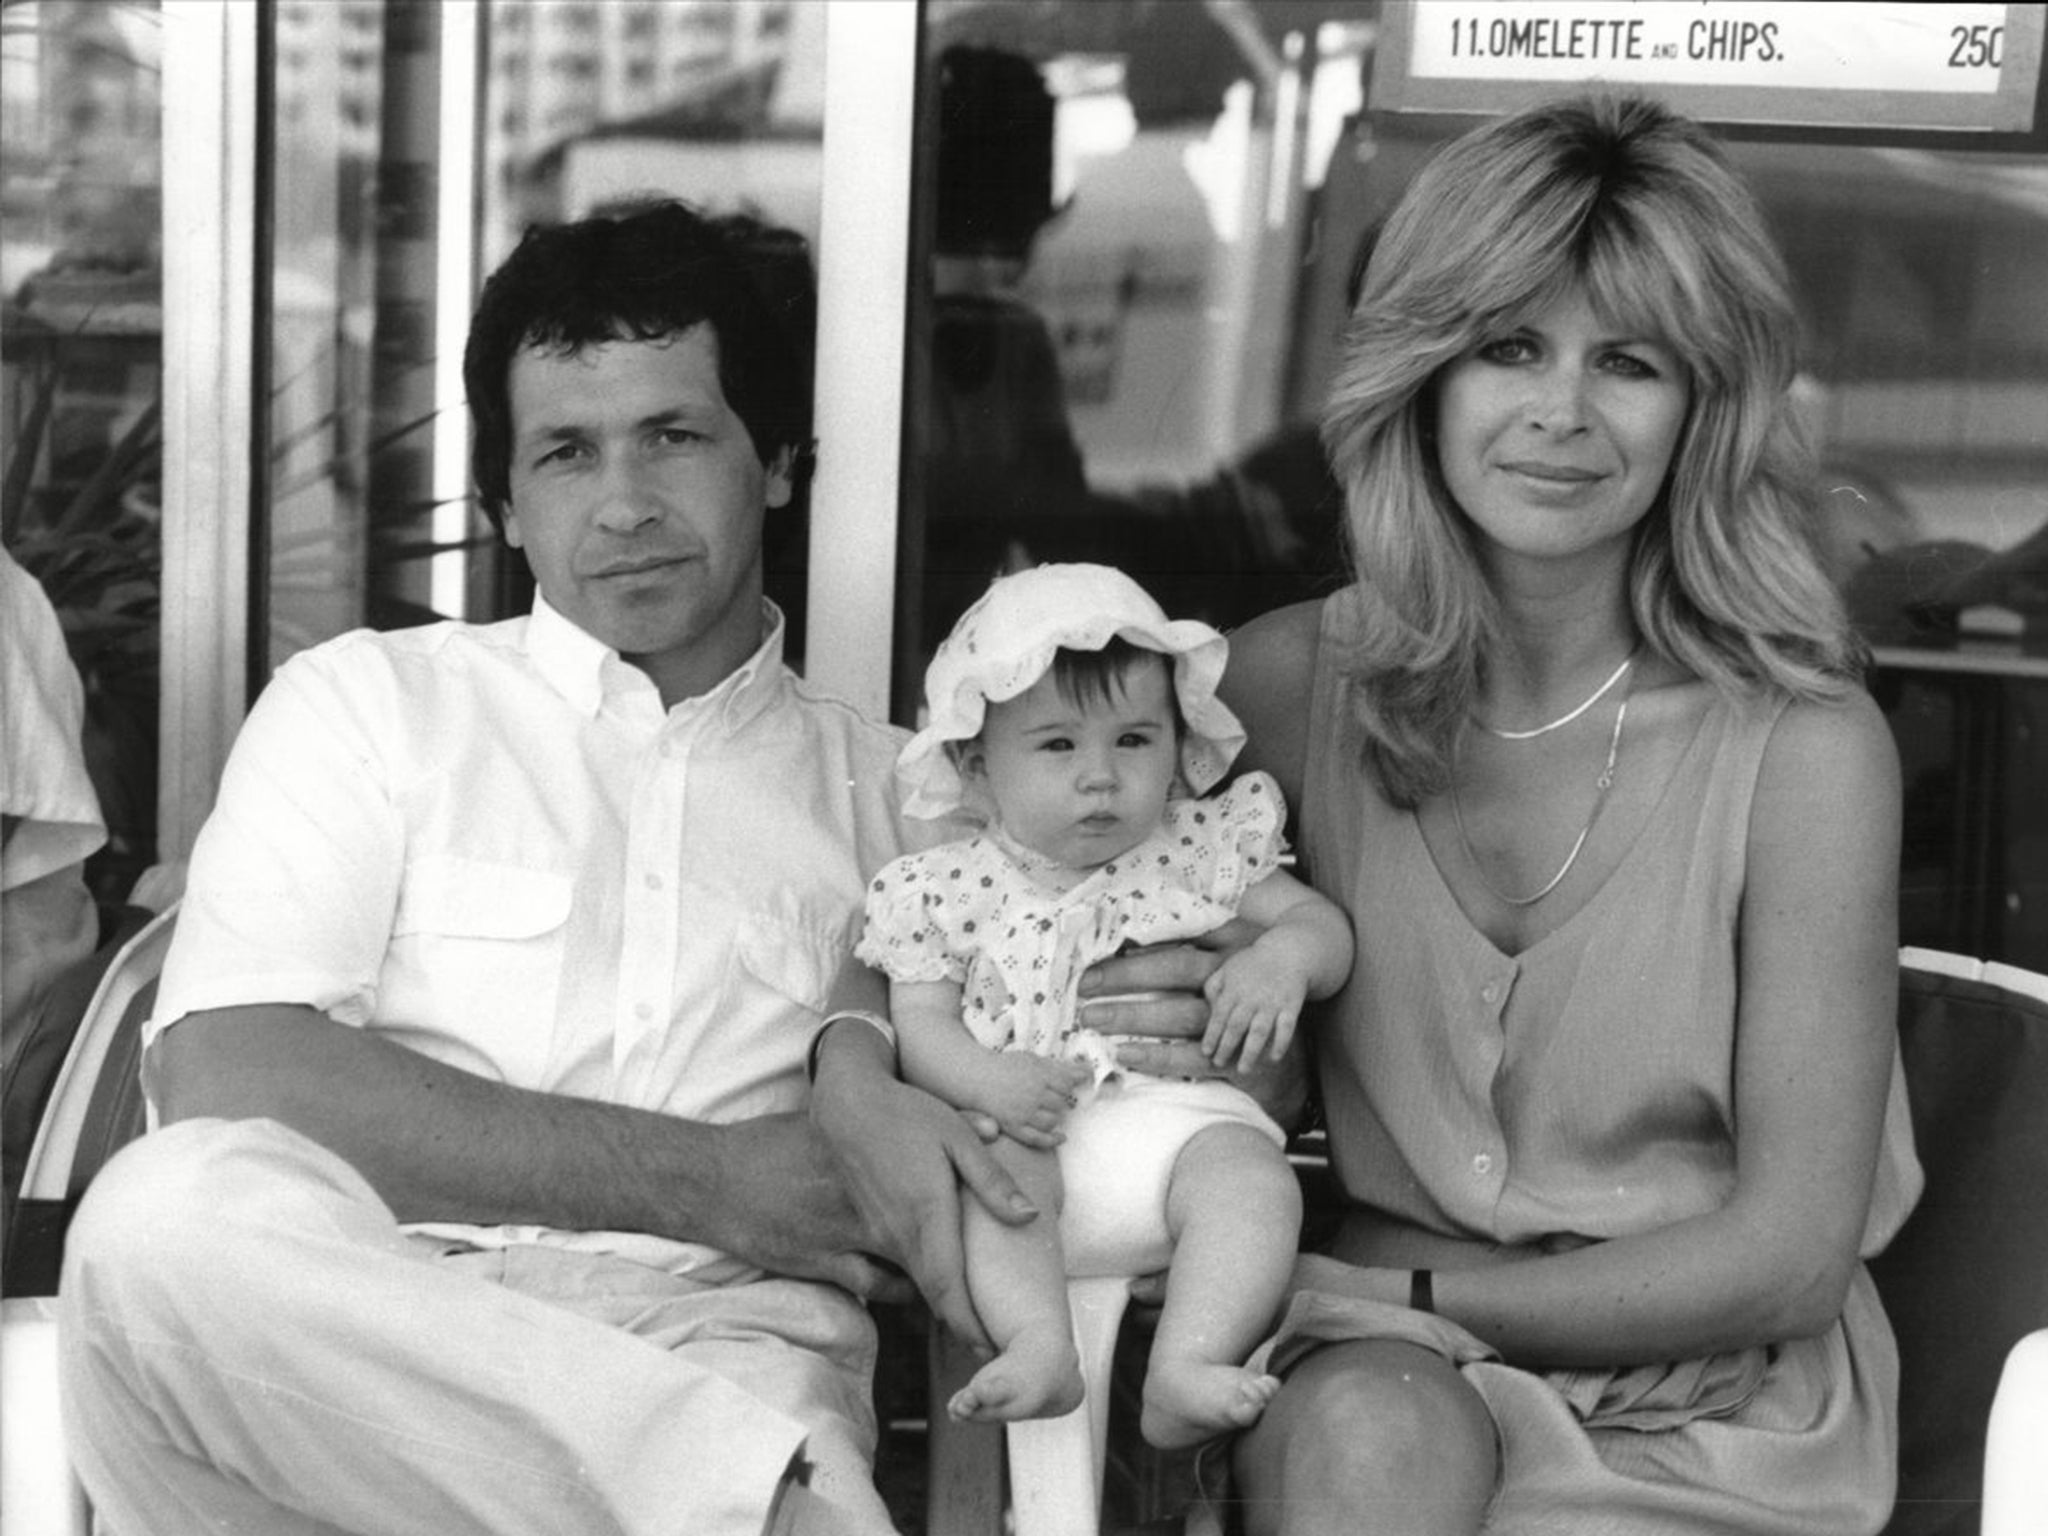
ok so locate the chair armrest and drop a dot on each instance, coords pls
(38, 1489)
(2015, 1471)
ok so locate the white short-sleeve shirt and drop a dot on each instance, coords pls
(43, 778)
(491, 844)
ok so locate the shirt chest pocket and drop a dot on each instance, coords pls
(476, 961)
(798, 963)
(744, 1053)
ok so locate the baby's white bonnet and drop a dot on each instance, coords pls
(1005, 643)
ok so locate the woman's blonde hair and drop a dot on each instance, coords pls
(1636, 207)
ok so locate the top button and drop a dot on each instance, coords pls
(1490, 992)
(653, 882)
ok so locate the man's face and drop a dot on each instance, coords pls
(638, 496)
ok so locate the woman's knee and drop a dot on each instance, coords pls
(1380, 1434)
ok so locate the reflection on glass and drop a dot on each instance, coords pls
(1152, 232)
(587, 102)
(354, 300)
(80, 372)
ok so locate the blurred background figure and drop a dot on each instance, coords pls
(49, 815)
(999, 455)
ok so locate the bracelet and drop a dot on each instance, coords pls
(866, 1016)
(1421, 1290)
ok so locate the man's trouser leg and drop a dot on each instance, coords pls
(245, 1332)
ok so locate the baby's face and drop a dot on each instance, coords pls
(1080, 783)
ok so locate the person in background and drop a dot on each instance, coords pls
(49, 813)
(1612, 1093)
(1002, 471)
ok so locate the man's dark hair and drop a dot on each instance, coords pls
(648, 273)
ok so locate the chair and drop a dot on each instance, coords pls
(1966, 1279)
(94, 1107)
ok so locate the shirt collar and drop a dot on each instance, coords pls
(583, 669)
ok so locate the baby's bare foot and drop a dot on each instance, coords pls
(1037, 1377)
(1187, 1401)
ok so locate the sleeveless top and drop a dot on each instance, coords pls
(1582, 1088)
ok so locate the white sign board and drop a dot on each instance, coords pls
(1816, 62)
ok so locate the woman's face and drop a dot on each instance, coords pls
(1554, 438)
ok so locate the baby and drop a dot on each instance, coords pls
(1079, 723)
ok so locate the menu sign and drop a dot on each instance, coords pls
(1817, 62)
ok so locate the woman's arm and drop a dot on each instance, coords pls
(1817, 978)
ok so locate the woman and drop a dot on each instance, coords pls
(1584, 754)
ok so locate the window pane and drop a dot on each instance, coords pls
(1117, 202)
(80, 373)
(356, 531)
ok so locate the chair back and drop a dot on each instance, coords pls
(1967, 1275)
(93, 1108)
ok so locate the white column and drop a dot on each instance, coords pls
(863, 256)
(209, 201)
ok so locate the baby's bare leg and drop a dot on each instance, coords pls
(1234, 1209)
(1018, 1279)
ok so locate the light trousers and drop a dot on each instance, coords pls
(250, 1343)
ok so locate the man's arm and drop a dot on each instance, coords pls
(439, 1143)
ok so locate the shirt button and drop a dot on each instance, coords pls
(1483, 1164)
(653, 882)
(643, 1011)
(1490, 993)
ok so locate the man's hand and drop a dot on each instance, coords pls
(903, 1155)
(1029, 1096)
(792, 1212)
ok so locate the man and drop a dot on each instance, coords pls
(482, 1199)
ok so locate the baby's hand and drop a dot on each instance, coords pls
(1029, 1096)
(1255, 998)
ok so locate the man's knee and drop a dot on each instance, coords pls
(171, 1208)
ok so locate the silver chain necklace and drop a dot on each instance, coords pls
(1566, 719)
(1600, 787)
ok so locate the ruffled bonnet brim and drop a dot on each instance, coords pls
(1005, 642)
